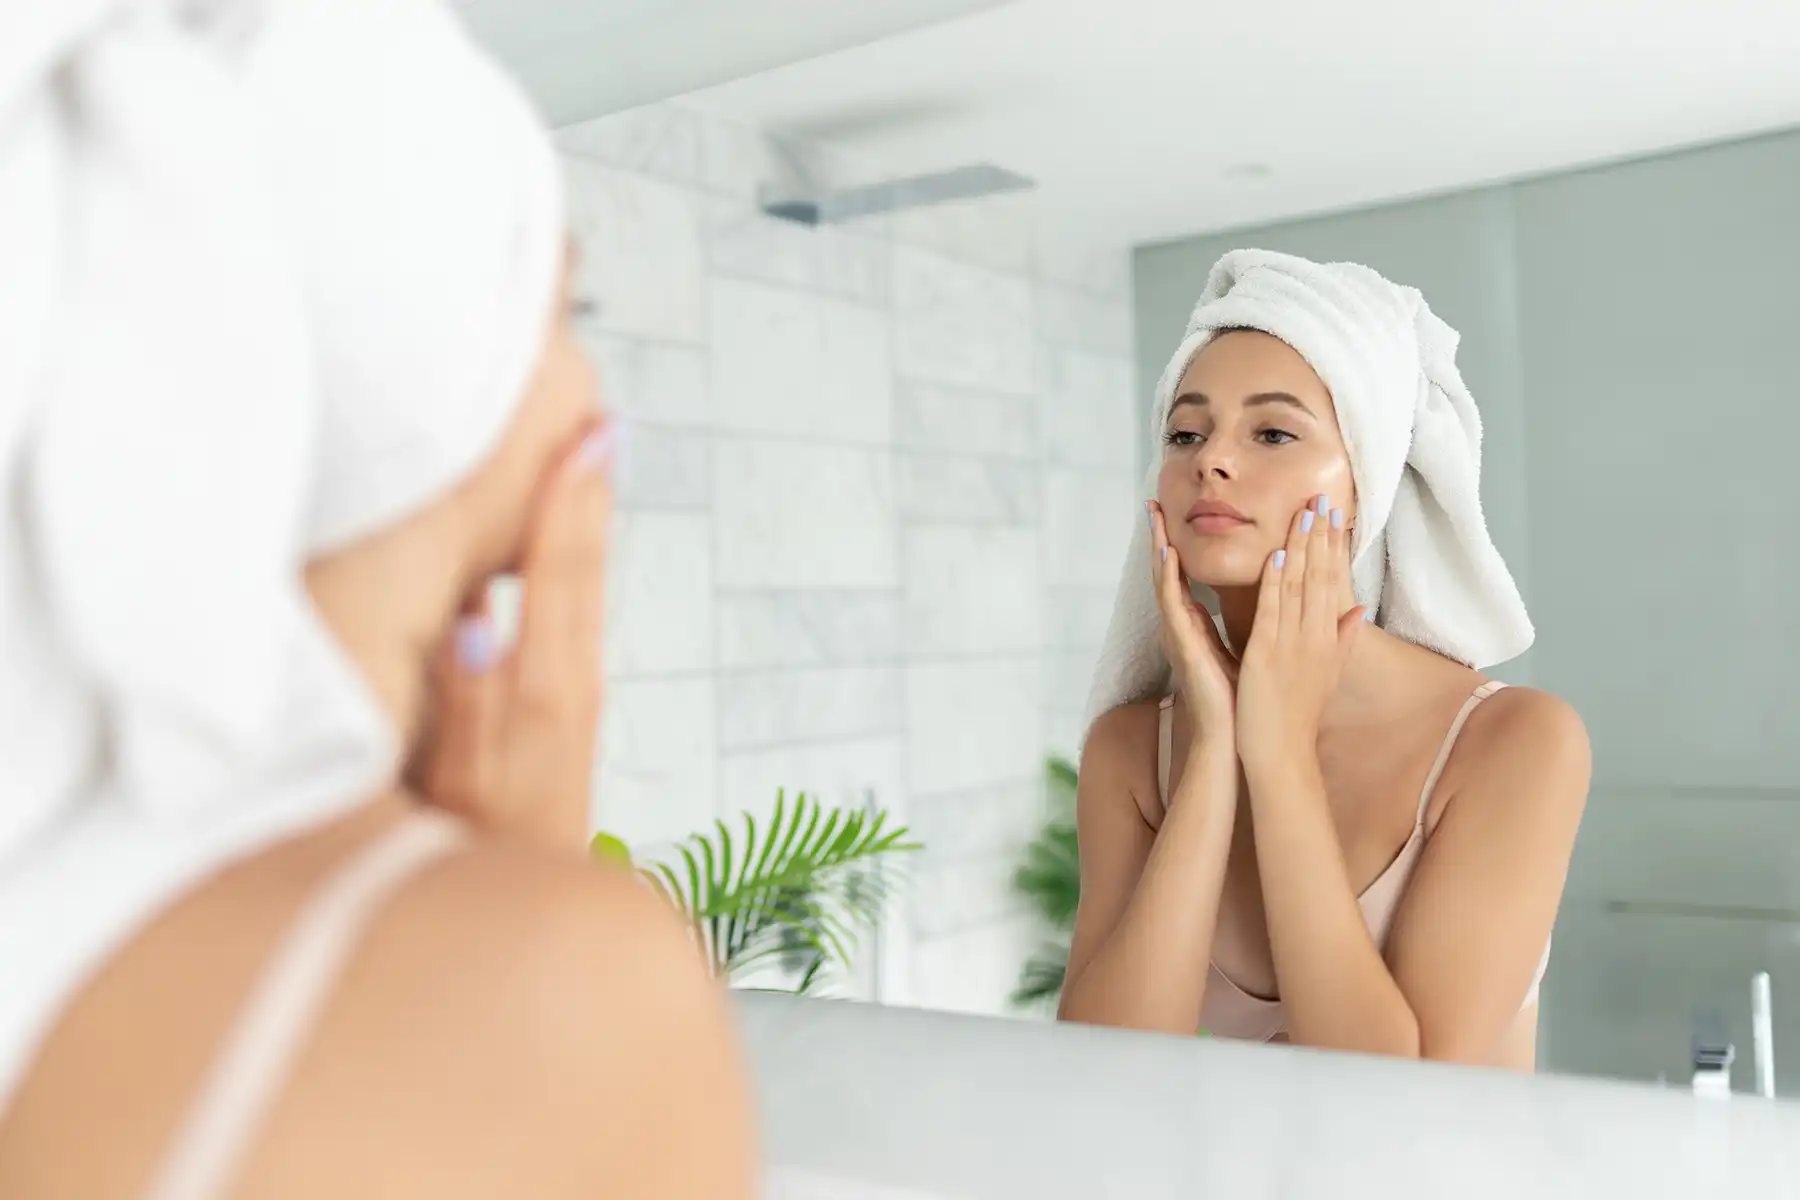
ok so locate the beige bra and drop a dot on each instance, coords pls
(1230, 1011)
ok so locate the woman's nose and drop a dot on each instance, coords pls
(1214, 461)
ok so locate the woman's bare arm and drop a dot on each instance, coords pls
(1476, 915)
(1475, 920)
(1149, 899)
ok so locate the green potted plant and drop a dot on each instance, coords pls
(1048, 878)
(797, 894)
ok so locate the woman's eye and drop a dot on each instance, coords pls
(1275, 437)
(1181, 437)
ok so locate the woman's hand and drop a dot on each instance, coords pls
(512, 739)
(1306, 622)
(1205, 671)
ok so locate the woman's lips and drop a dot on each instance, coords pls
(1214, 515)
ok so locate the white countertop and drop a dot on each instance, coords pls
(902, 1104)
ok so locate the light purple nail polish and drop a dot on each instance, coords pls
(1320, 503)
(1165, 554)
(1306, 521)
(477, 645)
(1369, 615)
(1337, 518)
(1280, 557)
(600, 449)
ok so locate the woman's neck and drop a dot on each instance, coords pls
(389, 600)
(1370, 675)
(1237, 608)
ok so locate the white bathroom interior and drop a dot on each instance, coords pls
(881, 290)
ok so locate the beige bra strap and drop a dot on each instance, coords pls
(1165, 747)
(1443, 756)
(247, 1076)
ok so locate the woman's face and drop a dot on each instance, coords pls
(1251, 438)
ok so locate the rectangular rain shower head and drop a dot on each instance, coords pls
(893, 195)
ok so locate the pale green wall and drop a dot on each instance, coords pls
(1630, 334)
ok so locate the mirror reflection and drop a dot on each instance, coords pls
(1159, 597)
(907, 336)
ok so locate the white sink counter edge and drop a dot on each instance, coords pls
(857, 1100)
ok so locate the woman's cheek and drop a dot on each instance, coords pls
(1169, 480)
(1332, 479)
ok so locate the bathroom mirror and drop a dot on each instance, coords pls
(886, 321)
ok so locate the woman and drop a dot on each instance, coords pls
(1297, 824)
(295, 381)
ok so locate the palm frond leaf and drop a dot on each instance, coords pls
(1048, 879)
(1049, 875)
(1041, 979)
(1061, 779)
(799, 891)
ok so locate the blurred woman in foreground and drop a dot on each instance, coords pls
(289, 380)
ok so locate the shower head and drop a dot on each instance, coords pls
(893, 195)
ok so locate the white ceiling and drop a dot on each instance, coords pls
(584, 58)
(1145, 120)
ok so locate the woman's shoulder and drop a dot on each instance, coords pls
(1119, 755)
(1525, 738)
(1124, 733)
(1518, 716)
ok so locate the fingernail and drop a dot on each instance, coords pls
(601, 447)
(1280, 557)
(1165, 554)
(477, 646)
(1369, 615)
(1321, 502)
(1306, 521)
(1337, 518)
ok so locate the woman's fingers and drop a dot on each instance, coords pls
(1174, 601)
(1294, 570)
(1156, 540)
(553, 707)
(466, 733)
(1165, 567)
(1340, 556)
(1267, 626)
(512, 735)
(1216, 640)
(1165, 564)
(558, 654)
(1160, 553)
(1321, 587)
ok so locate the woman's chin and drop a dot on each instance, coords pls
(1221, 566)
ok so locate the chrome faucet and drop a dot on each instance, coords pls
(1713, 1055)
(1762, 1034)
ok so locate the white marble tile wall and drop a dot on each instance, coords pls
(871, 509)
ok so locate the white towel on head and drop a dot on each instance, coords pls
(1422, 560)
(276, 274)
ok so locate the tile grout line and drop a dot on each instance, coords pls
(891, 985)
(712, 535)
